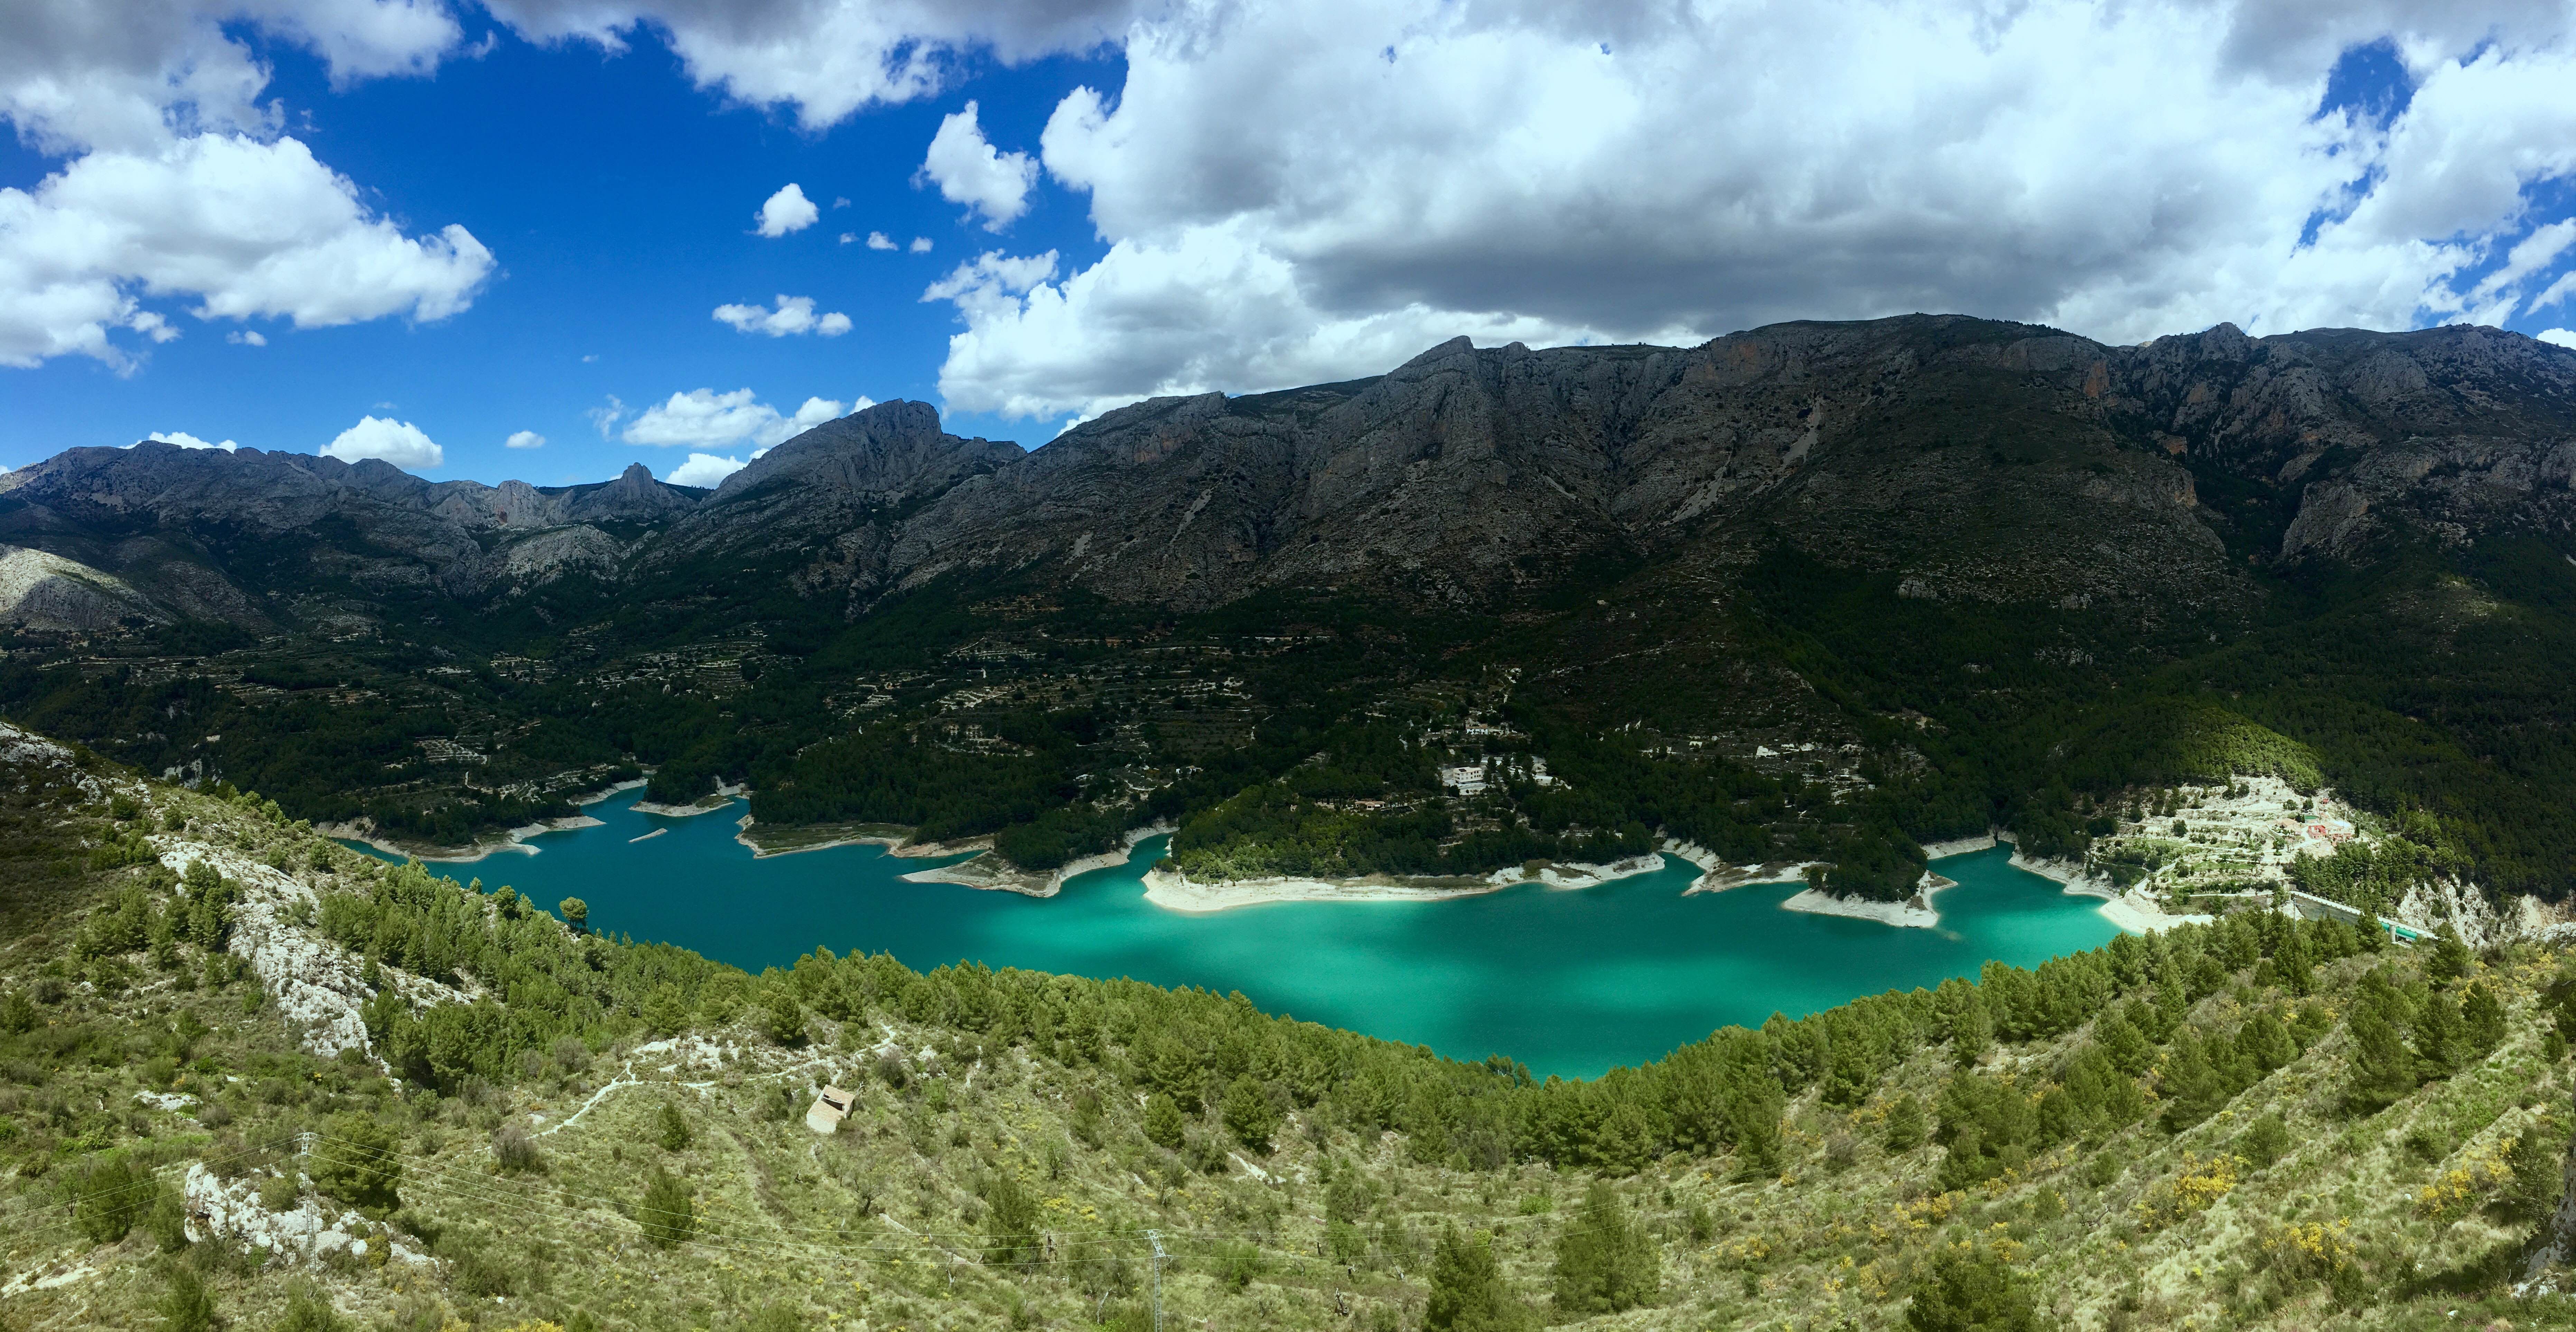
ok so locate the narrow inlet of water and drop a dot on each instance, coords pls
(1568, 982)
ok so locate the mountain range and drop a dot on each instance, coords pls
(1785, 536)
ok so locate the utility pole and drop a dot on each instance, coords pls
(1155, 1237)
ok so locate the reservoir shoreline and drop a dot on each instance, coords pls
(1576, 971)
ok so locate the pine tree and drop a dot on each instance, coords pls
(1249, 1116)
(2266, 1042)
(2483, 1018)
(2129, 1049)
(1905, 1126)
(2441, 1037)
(1164, 1126)
(185, 1306)
(1753, 1121)
(2190, 1087)
(1972, 1035)
(2382, 1069)
(1605, 1262)
(2293, 961)
(668, 1213)
(672, 1129)
(2450, 960)
(357, 1159)
(2539, 1164)
(1468, 1293)
(782, 1018)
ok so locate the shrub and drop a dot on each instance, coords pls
(1970, 1289)
(1164, 1126)
(309, 1310)
(1605, 1262)
(185, 1306)
(1249, 1115)
(514, 1151)
(1010, 1221)
(355, 1159)
(668, 1212)
(672, 1129)
(1468, 1293)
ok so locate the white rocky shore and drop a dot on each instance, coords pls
(2134, 911)
(1914, 913)
(515, 839)
(1174, 891)
(989, 870)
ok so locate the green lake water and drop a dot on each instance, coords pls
(1570, 983)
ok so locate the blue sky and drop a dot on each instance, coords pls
(1230, 195)
(619, 202)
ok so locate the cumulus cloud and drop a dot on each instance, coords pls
(2559, 337)
(176, 184)
(969, 170)
(791, 315)
(706, 419)
(187, 441)
(1315, 191)
(398, 442)
(246, 337)
(706, 469)
(878, 240)
(920, 245)
(786, 211)
(828, 59)
(524, 439)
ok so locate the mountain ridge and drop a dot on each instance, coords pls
(1970, 572)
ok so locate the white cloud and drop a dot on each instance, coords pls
(247, 337)
(705, 469)
(2559, 337)
(878, 240)
(398, 442)
(830, 58)
(968, 170)
(524, 439)
(794, 314)
(174, 182)
(786, 211)
(187, 441)
(236, 227)
(920, 245)
(1373, 177)
(607, 417)
(849, 238)
(705, 419)
(840, 203)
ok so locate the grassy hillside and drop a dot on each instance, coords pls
(215, 1025)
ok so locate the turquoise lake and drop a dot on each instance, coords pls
(1570, 983)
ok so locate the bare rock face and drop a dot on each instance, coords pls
(43, 591)
(834, 494)
(1972, 460)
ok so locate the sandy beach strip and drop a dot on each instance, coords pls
(1908, 914)
(1173, 891)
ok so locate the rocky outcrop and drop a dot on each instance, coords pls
(835, 495)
